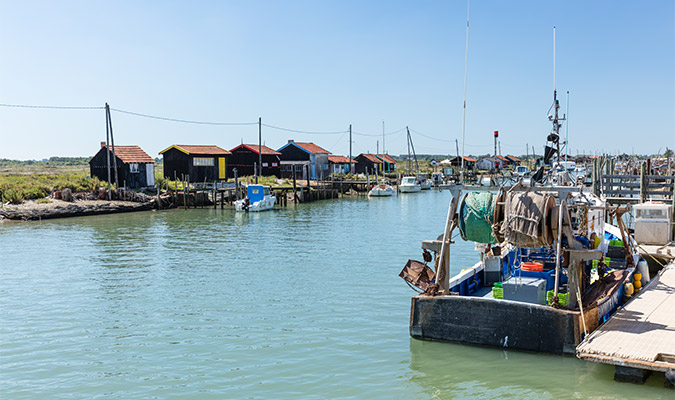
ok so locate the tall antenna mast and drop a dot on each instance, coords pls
(466, 63)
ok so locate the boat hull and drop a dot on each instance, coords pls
(496, 323)
(409, 189)
(377, 192)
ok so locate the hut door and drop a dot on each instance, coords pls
(150, 174)
(221, 168)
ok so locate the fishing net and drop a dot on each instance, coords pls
(476, 217)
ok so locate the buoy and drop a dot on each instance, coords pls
(643, 269)
(628, 289)
(637, 281)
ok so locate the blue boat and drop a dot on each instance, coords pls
(543, 298)
(258, 198)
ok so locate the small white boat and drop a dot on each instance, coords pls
(258, 198)
(409, 184)
(381, 190)
(425, 184)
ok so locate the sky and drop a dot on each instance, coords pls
(319, 66)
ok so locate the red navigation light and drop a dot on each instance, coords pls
(496, 133)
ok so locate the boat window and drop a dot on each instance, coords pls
(267, 191)
(255, 190)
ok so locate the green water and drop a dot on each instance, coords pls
(303, 302)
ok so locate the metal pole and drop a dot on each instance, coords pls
(558, 246)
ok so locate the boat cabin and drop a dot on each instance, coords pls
(256, 193)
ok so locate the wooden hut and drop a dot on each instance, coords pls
(200, 163)
(469, 162)
(135, 168)
(300, 156)
(339, 164)
(245, 158)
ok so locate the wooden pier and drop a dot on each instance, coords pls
(639, 338)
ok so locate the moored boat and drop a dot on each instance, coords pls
(258, 198)
(409, 184)
(381, 190)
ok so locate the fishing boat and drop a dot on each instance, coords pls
(258, 198)
(409, 184)
(550, 270)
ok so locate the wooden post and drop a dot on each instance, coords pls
(236, 184)
(259, 146)
(643, 182)
(295, 194)
(112, 142)
(107, 148)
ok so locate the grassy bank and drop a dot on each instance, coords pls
(17, 188)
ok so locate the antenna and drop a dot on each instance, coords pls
(466, 64)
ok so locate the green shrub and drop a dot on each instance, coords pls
(43, 200)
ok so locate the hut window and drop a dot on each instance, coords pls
(133, 168)
(265, 164)
(202, 162)
(275, 164)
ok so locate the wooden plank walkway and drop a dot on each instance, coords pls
(642, 334)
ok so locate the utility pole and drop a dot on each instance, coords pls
(500, 147)
(351, 164)
(496, 163)
(377, 147)
(527, 155)
(457, 147)
(259, 172)
(107, 146)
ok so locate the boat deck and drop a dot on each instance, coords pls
(641, 335)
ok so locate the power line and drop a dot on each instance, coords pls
(185, 121)
(51, 107)
(431, 137)
(378, 134)
(306, 132)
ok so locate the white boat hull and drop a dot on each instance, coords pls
(410, 188)
(381, 191)
(263, 205)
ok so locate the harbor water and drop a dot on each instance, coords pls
(302, 302)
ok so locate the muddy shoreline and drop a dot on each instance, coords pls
(33, 211)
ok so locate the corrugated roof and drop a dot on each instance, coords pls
(254, 148)
(311, 147)
(197, 149)
(340, 160)
(132, 154)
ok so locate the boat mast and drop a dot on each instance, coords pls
(557, 121)
(466, 64)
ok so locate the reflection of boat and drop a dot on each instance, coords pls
(409, 184)
(381, 190)
(258, 198)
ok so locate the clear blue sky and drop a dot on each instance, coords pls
(322, 65)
